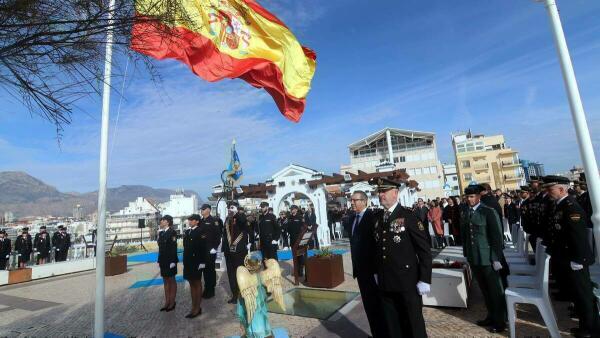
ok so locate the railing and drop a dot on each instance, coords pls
(513, 177)
(485, 166)
(483, 179)
(510, 163)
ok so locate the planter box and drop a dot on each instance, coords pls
(115, 265)
(19, 276)
(324, 272)
(449, 288)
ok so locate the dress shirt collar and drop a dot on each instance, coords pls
(561, 199)
(475, 207)
(391, 210)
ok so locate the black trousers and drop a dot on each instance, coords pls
(210, 274)
(3, 262)
(581, 293)
(61, 256)
(403, 312)
(493, 293)
(372, 303)
(268, 250)
(232, 262)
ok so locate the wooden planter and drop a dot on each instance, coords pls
(19, 276)
(115, 265)
(324, 272)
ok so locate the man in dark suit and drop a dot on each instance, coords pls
(421, 211)
(403, 262)
(268, 231)
(310, 219)
(362, 247)
(235, 246)
(210, 230)
(5, 249)
(295, 228)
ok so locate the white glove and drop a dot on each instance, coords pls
(57, 249)
(213, 251)
(248, 246)
(496, 265)
(7, 256)
(423, 288)
(274, 242)
(18, 255)
(575, 266)
(201, 266)
(171, 266)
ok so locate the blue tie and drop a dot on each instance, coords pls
(356, 221)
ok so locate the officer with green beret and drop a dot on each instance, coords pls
(572, 253)
(482, 247)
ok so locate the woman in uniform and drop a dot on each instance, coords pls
(167, 260)
(195, 257)
(24, 246)
(41, 244)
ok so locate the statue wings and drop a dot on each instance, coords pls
(271, 278)
(248, 285)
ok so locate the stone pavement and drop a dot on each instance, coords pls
(63, 306)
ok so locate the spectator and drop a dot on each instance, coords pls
(434, 215)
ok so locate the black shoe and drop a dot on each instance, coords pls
(194, 315)
(208, 294)
(164, 308)
(484, 322)
(171, 308)
(497, 329)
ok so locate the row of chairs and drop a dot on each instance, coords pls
(528, 284)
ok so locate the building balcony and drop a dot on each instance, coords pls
(513, 177)
(483, 179)
(481, 166)
(511, 163)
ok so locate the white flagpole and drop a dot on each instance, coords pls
(101, 227)
(581, 129)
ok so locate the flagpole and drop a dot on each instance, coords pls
(581, 129)
(103, 172)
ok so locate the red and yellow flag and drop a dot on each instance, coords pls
(221, 39)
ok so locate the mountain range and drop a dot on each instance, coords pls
(25, 195)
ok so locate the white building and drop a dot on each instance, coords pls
(413, 151)
(179, 206)
(451, 187)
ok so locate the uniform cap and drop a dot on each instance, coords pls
(264, 204)
(167, 218)
(526, 188)
(384, 184)
(205, 206)
(552, 180)
(194, 217)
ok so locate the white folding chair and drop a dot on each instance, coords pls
(538, 297)
(512, 260)
(529, 281)
(338, 230)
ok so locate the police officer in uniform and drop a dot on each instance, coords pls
(295, 227)
(570, 249)
(195, 257)
(167, 260)
(403, 263)
(61, 241)
(41, 244)
(210, 227)
(482, 247)
(5, 249)
(24, 247)
(269, 232)
(235, 246)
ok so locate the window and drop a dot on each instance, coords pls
(468, 177)
(433, 169)
(454, 178)
(418, 171)
(426, 171)
(302, 181)
(465, 164)
(396, 160)
(402, 159)
(281, 184)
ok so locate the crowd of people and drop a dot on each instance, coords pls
(39, 249)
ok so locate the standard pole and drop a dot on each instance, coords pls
(101, 227)
(581, 129)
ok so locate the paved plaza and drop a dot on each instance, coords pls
(63, 306)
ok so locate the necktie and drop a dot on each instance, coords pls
(386, 216)
(356, 221)
(471, 212)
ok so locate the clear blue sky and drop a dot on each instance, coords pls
(438, 66)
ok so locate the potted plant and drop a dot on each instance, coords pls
(325, 269)
(115, 261)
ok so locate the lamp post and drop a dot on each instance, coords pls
(581, 129)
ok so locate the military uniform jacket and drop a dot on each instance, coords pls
(41, 243)
(24, 245)
(482, 236)
(526, 218)
(586, 203)
(4, 248)
(167, 247)
(195, 248)
(295, 226)
(235, 236)
(268, 228)
(61, 241)
(210, 228)
(402, 250)
(570, 234)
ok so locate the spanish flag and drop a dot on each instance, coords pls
(221, 39)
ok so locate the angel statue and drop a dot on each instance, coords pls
(252, 307)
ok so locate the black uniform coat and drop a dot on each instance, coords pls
(41, 244)
(570, 235)
(403, 251)
(511, 213)
(295, 226)
(195, 252)
(167, 252)
(236, 227)
(586, 203)
(61, 241)
(210, 228)
(24, 247)
(5, 248)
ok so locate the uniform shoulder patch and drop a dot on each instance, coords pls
(575, 217)
(420, 226)
(217, 223)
